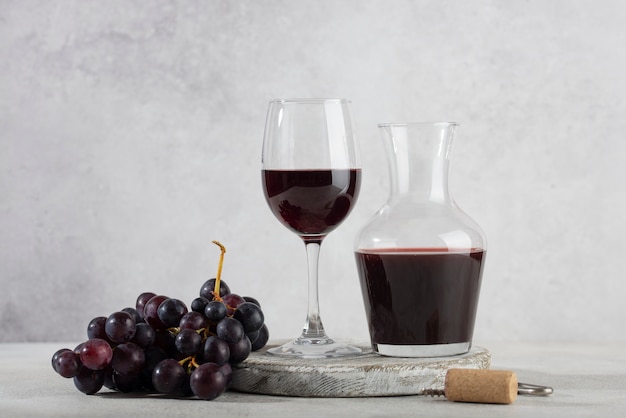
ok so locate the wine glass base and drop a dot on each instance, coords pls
(315, 348)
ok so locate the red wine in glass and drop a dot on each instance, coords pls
(311, 202)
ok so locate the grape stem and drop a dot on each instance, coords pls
(191, 363)
(216, 290)
(185, 360)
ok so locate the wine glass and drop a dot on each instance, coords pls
(311, 179)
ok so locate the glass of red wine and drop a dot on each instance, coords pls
(311, 179)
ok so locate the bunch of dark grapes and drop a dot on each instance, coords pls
(162, 346)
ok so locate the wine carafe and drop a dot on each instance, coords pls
(420, 258)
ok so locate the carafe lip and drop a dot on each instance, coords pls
(401, 124)
(311, 100)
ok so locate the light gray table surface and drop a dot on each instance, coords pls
(589, 380)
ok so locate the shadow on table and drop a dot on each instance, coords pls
(227, 397)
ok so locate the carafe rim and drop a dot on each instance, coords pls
(310, 100)
(406, 124)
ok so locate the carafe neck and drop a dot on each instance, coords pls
(419, 155)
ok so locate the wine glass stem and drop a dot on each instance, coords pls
(313, 328)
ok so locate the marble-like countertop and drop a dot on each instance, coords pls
(589, 380)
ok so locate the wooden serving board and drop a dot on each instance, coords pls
(366, 375)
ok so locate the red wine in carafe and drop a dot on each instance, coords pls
(420, 296)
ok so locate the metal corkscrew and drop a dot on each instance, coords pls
(485, 386)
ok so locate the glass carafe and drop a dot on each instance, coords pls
(420, 258)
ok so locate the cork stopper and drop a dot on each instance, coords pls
(481, 385)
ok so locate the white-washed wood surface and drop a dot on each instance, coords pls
(366, 375)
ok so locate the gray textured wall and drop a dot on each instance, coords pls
(130, 137)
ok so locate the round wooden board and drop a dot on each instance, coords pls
(367, 375)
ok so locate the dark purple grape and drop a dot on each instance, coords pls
(252, 300)
(144, 335)
(188, 342)
(232, 301)
(120, 327)
(96, 354)
(80, 347)
(206, 291)
(108, 378)
(168, 376)
(240, 350)
(198, 304)
(57, 353)
(250, 316)
(133, 312)
(128, 358)
(261, 340)
(66, 362)
(227, 371)
(230, 330)
(153, 355)
(142, 300)
(193, 320)
(95, 329)
(89, 381)
(215, 311)
(207, 381)
(253, 336)
(126, 383)
(170, 311)
(150, 314)
(216, 351)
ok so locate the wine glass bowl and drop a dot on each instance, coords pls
(311, 202)
(311, 178)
